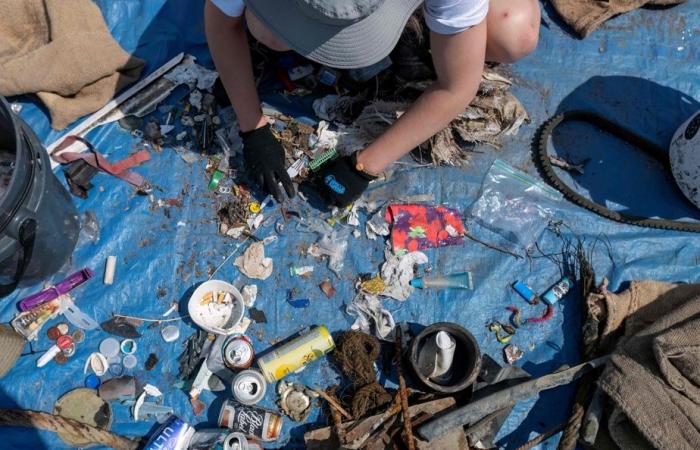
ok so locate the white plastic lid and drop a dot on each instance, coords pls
(129, 361)
(109, 347)
(170, 333)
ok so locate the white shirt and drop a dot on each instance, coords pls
(442, 16)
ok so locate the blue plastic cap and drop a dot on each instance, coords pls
(417, 283)
(92, 381)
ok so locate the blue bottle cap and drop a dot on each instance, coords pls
(92, 381)
(417, 283)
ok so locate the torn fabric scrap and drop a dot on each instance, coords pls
(371, 315)
(397, 273)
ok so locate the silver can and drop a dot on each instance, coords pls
(238, 441)
(238, 353)
(249, 387)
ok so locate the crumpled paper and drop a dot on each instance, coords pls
(371, 315)
(397, 273)
(253, 262)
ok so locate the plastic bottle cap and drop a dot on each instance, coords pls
(65, 342)
(128, 346)
(92, 381)
(116, 369)
(417, 283)
(53, 333)
(129, 361)
(254, 207)
(109, 347)
(170, 333)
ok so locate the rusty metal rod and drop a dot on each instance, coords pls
(403, 393)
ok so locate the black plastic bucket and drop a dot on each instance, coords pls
(39, 225)
(466, 363)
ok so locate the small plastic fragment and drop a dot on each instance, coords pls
(151, 361)
(511, 353)
(250, 294)
(327, 288)
(300, 271)
(197, 406)
(122, 327)
(153, 391)
(170, 333)
(257, 315)
(515, 317)
(298, 303)
(110, 268)
(496, 328)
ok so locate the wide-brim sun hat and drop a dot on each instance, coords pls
(344, 34)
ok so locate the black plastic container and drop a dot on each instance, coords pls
(39, 225)
(466, 363)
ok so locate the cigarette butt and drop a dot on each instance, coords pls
(208, 297)
(220, 298)
(110, 267)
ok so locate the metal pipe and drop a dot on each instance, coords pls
(476, 410)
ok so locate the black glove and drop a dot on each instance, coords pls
(340, 183)
(264, 160)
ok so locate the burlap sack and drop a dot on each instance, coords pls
(653, 377)
(62, 51)
(585, 16)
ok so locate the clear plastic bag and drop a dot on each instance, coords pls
(513, 208)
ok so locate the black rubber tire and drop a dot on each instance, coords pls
(541, 157)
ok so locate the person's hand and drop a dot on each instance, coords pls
(264, 160)
(341, 183)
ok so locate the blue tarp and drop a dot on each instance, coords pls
(641, 69)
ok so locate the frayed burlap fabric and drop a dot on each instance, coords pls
(585, 16)
(62, 51)
(653, 377)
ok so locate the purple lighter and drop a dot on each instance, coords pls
(53, 292)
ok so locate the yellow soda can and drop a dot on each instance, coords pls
(295, 354)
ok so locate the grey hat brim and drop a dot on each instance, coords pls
(360, 44)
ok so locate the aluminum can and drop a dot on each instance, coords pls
(252, 421)
(238, 353)
(174, 434)
(558, 291)
(249, 387)
(238, 441)
(295, 354)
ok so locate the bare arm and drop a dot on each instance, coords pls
(459, 62)
(228, 44)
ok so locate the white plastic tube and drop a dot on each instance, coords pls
(444, 356)
(110, 267)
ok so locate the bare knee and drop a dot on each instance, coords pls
(513, 29)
